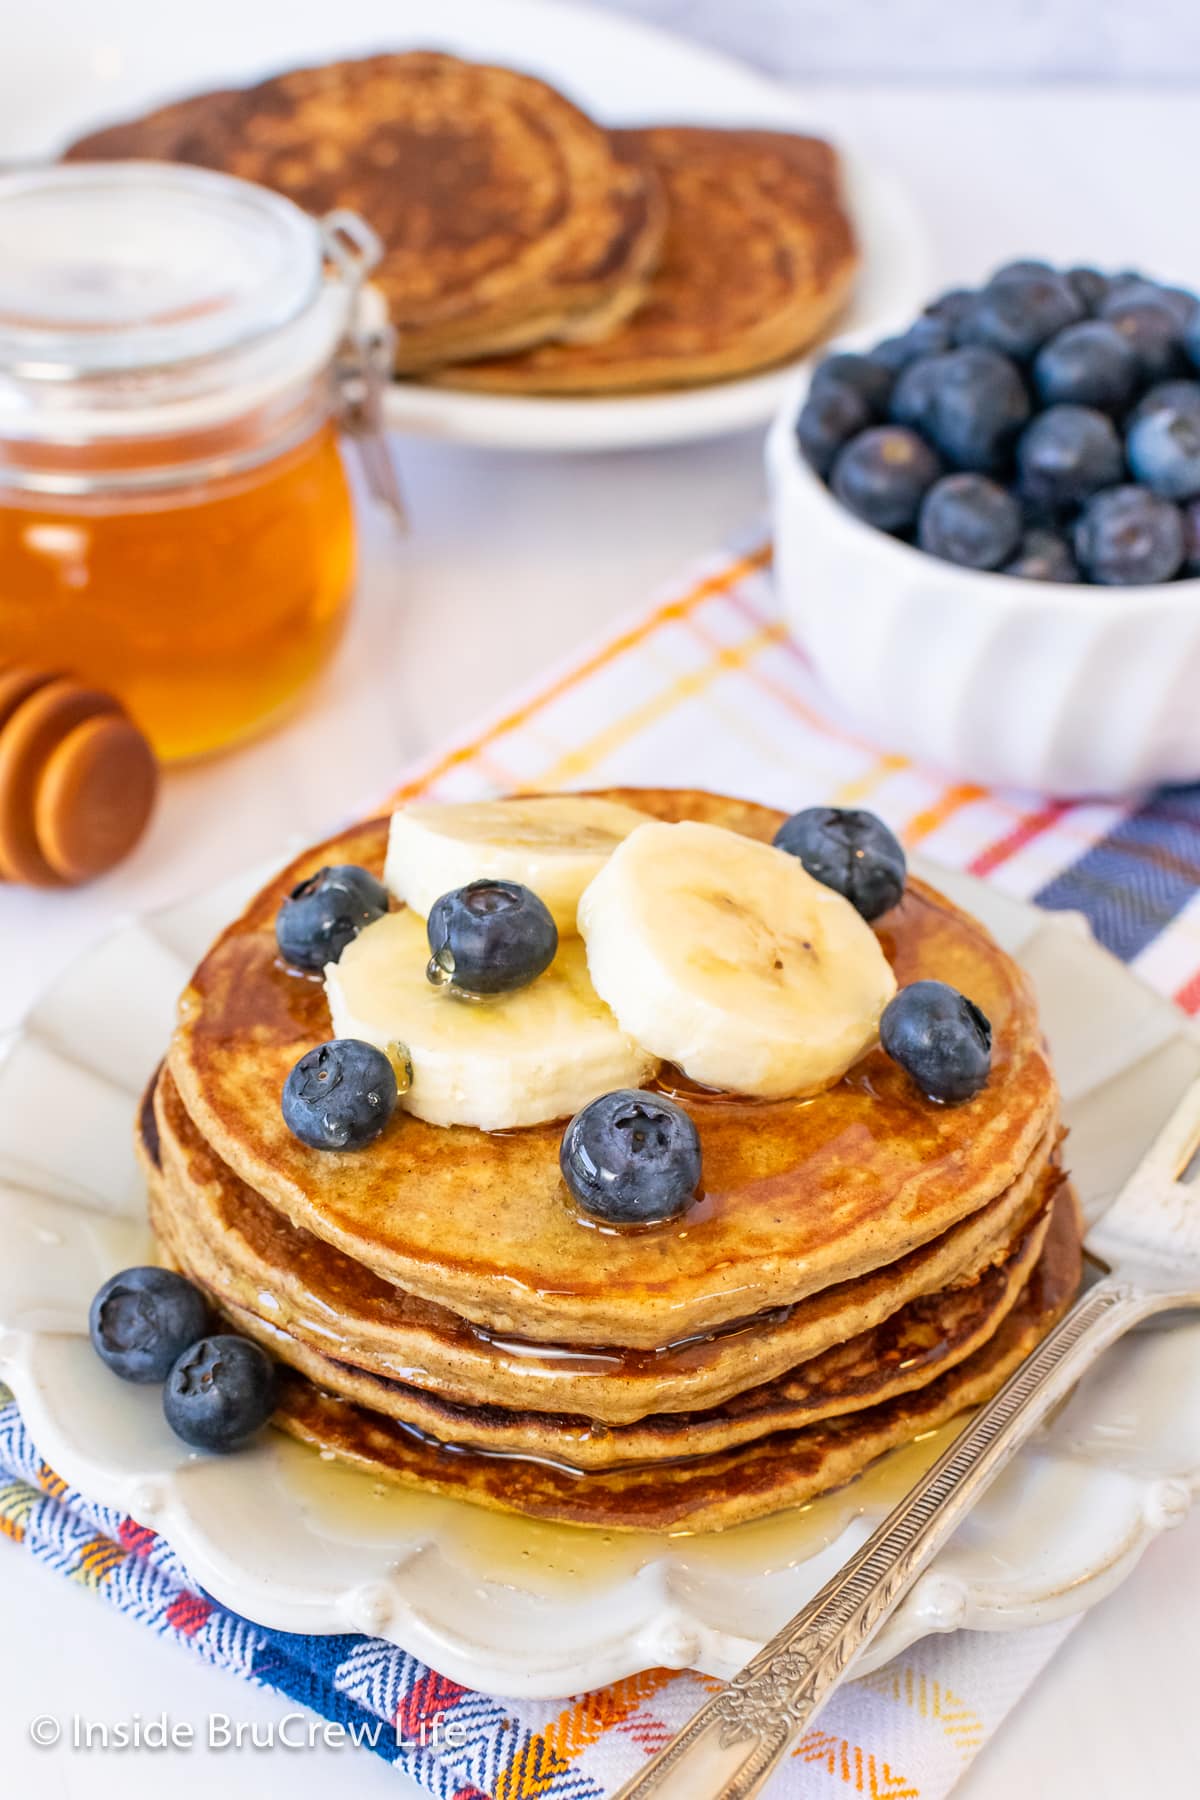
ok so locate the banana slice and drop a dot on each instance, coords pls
(724, 956)
(552, 843)
(512, 1059)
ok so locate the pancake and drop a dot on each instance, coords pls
(799, 1195)
(706, 1493)
(759, 259)
(252, 1260)
(907, 1351)
(506, 215)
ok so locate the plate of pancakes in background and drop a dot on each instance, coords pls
(544, 1457)
(594, 235)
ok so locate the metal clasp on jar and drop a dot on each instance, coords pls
(363, 365)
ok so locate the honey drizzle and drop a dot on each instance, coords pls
(504, 1549)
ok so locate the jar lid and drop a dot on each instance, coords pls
(131, 265)
(142, 297)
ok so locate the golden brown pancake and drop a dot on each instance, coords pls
(506, 215)
(253, 1261)
(707, 1493)
(759, 259)
(907, 1351)
(798, 1195)
(902, 1256)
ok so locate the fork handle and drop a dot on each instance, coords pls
(731, 1747)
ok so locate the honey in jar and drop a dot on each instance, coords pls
(175, 521)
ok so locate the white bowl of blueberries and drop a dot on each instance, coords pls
(987, 530)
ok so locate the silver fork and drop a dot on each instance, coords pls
(1149, 1241)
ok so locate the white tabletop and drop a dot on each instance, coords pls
(514, 562)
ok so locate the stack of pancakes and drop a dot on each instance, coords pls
(861, 1266)
(526, 249)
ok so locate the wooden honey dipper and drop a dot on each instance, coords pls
(77, 779)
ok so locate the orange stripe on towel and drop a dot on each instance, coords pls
(678, 608)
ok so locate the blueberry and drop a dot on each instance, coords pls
(1130, 284)
(1184, 301)
(1026, 265)
(219, 1393)
(1163, 447)
(1151, 328)
(850, 851)
(1191, 339)
(970, 520)
(1088, 365)
(1182, 396)
(1015, 314)
(321, 916)
(1191, 537)
(1134, 289)
(631, 1158)
(882, 474)
(927, 337)
(952, 307)
(977, 405)
(1067, 453)
(340, 1095)
(913, 394)
(1127, 536)
(828, 420)
(863, 374)
(490, 937)
(1089, 286)
(1043, 556)
(940, 1038)
(142, 1319)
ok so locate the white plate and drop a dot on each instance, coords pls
(508, 1605)
(113, 63)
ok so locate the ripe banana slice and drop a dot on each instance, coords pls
(510, 1059)
(724, 956)
(552, 843)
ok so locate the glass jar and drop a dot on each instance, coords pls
(175, 520)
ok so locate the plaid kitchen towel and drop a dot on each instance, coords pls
(704, 690)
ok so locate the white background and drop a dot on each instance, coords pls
(512, 562)
(951, 40)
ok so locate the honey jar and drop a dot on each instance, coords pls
(178, 350)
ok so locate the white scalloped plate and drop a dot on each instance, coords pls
(504, 1604)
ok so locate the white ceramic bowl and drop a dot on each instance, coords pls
(1067, 689)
